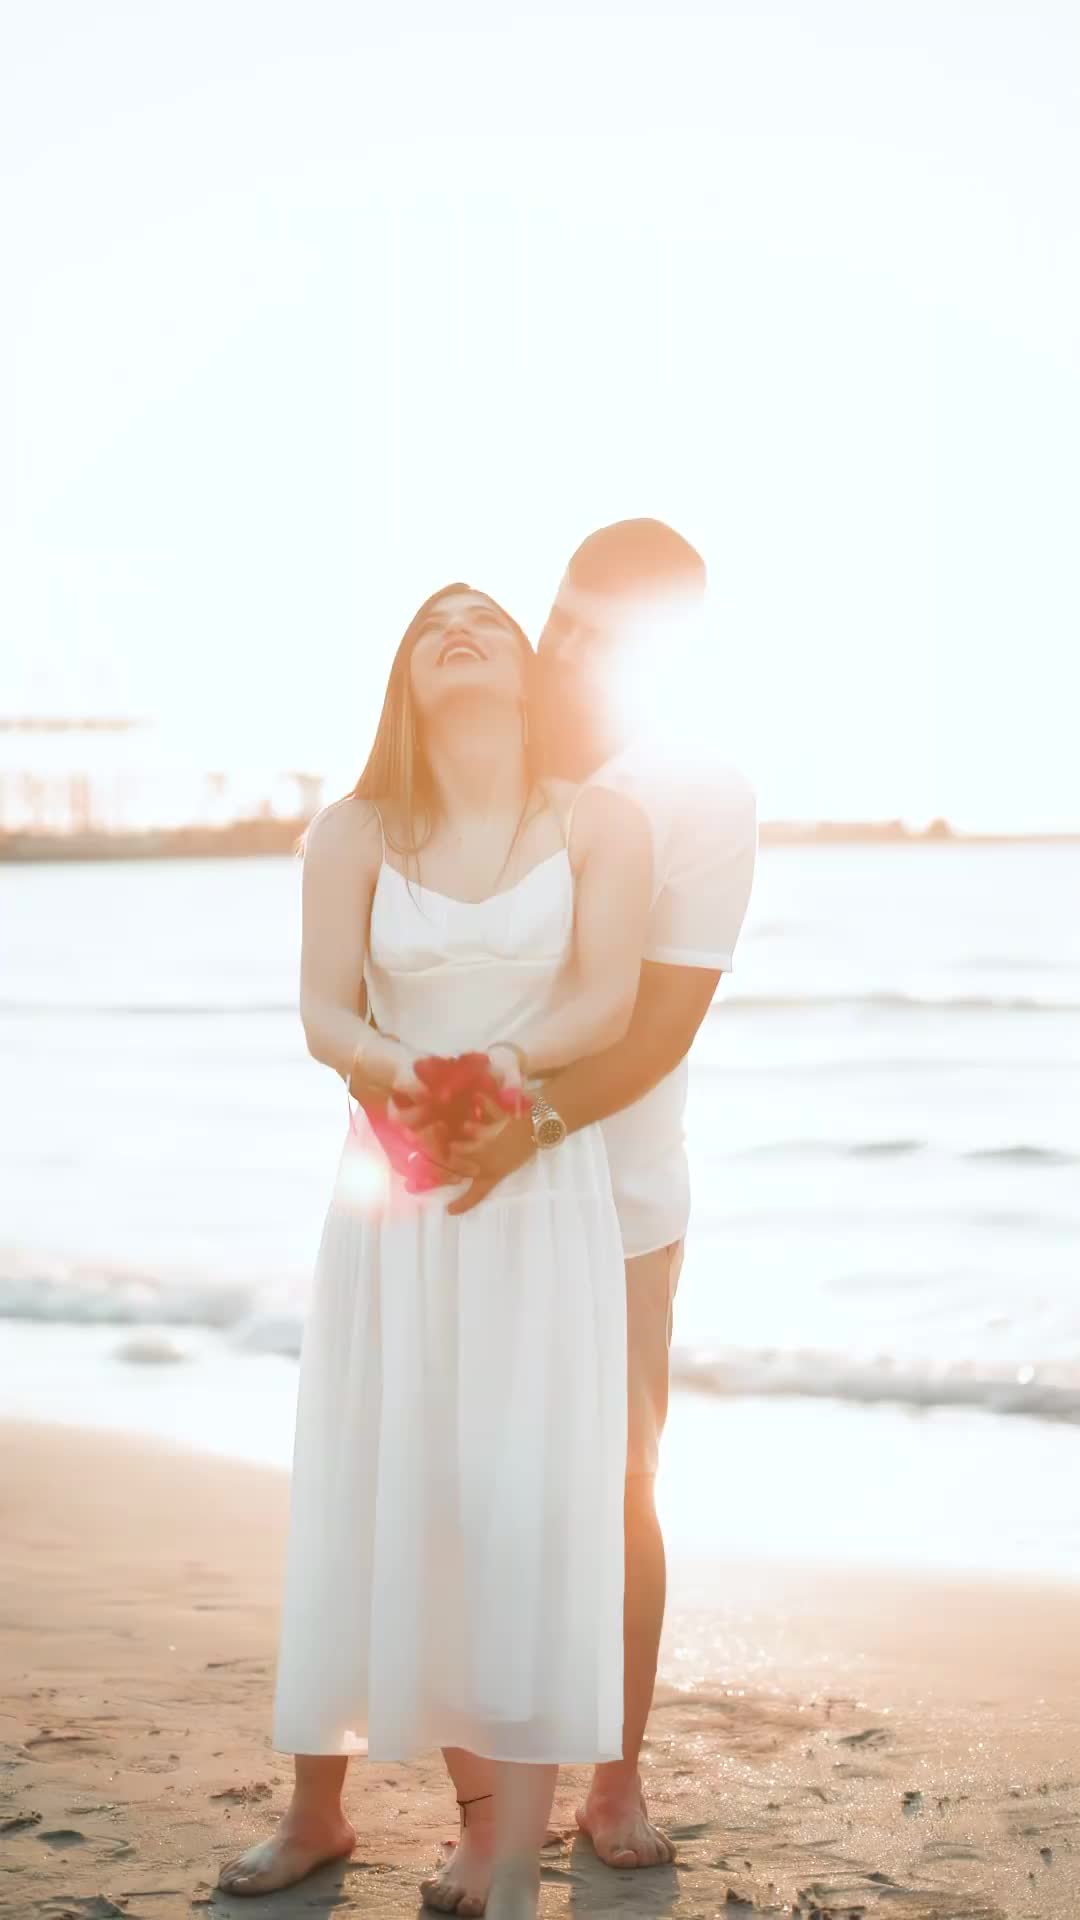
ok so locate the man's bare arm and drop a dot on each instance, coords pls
(671, 1004)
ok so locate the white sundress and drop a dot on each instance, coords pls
(455, 1560)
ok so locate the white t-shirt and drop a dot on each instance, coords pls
(704, 829)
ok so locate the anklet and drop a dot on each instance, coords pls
(471, 1803)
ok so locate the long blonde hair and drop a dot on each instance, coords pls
(398, 769)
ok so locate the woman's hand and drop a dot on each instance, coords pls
(420, 1137)
(507, 1066)
(440, 1108)
(405, 1089)
(389, 1110)
(492, 1117)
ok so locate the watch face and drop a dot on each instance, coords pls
(550, 1131)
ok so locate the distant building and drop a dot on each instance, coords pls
(68, 775)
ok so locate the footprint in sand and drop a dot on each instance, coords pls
(96, 1906)
(245, 1796)
(67, 1737)
(62, 1838)
(950, 1850)
(19, 1822)
(1052, 1824)
(693, 1831)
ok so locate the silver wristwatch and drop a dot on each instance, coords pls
(548, 1127)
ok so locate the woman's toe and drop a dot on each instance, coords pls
(441, 1895)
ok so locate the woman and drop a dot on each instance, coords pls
(455, 1559)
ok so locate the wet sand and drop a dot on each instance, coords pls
(822, 1742)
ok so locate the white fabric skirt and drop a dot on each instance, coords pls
(455, 1561)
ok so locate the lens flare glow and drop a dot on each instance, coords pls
(363, 1183)
(667, 688)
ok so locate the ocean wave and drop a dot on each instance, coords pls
(1021, 1153)
(734, 1006)
(54, 1291)
(825, 1376)
(828, 1218)
(1015, 963)
(877, 1067)
(139, 1009)
(891, 1000)
(832, 1150)
(42, 1287)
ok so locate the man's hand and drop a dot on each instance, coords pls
(494, 1149)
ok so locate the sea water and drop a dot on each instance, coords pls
(880, 1289)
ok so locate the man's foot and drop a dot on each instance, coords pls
(621, 1831)
(462, 1885)
(301, 1843)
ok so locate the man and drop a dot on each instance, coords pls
(627, 585)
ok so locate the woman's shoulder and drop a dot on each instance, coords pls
(596, 816)
(349, 828)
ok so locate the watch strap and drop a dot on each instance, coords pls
(546, 1121)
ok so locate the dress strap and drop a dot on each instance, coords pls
(568, 823)
(369, 1017)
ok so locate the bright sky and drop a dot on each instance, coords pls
(314, 306)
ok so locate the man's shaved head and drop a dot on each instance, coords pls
(636, 556)
(627, 585)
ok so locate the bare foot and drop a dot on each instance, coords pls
(621, 1831)
(553, 1837)
(515, 1891)
(301, 1843)
(461, 1886)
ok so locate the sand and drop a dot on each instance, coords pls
(821, 1742)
